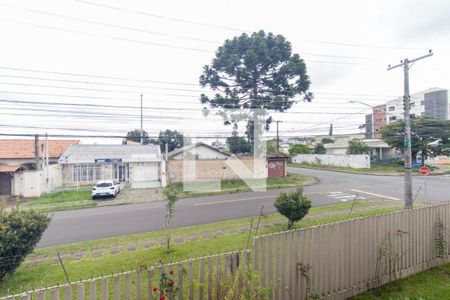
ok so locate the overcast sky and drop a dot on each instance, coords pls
(346, 45)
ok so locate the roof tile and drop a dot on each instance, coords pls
(25, 148)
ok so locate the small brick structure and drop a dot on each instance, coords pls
(276, 164)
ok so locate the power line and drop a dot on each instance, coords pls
(161, 17)
(106, 36)
(363, 45)
(109, 25)
(96, 76)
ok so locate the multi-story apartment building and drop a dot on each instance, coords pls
(379, 120)
(433, 103)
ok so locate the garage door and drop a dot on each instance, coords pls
(145, 175)
(5, 184)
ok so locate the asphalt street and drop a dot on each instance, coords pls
(334, 187)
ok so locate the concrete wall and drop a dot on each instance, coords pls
(352, 161)
(214, 169)
(36, 183)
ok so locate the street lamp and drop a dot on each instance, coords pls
(373, 121)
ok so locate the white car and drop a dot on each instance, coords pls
(107, 188)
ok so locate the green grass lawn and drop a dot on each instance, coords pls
(46, 274)
(375, 169)
(238, 185)
(431, 284)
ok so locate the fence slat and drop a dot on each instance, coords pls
(190, 280)
(54, 294)
(68, 292)
(117, 287)
(105, 293)
(180, 281)
(40, 296)
(210, 275)
(138, 285)
(150, 273)
(201, 278)
(128, 286)
(275, 267)
(80, 291)
(92, 290)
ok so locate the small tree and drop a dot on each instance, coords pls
(320, 149)
(293, 206)
(327, 141)
(356, 146)
(237, 144)
(171, 195)
(135, 136)
(20, 231)
(298, 149)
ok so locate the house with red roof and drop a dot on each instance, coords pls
(18, 160)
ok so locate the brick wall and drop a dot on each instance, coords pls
(212, 169)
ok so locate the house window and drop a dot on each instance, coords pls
(88, 172)
(393, 118)
(391, 108)
(412, 116)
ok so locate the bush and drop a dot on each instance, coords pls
(293, 206)
(20, 231)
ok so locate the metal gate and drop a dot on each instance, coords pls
(5, 184)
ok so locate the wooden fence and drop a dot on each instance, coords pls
(194, 279)
(339, 260)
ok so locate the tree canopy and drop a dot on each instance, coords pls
(319, 149)
(135, 136)
(174, 139)
(357, 146)
(427, 135)
(298, 149)
(257, 71)
(237, 144)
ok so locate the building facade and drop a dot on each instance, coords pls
(379, 120)
(432, 103)
(140, 165)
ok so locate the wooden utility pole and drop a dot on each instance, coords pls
(406, 64)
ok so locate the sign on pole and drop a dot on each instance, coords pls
(424, 171)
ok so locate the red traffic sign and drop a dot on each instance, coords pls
(424, 171)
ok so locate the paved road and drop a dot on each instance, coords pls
(95, 223)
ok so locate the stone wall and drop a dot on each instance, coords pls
(338, 160)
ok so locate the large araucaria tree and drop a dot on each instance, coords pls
(257, 71)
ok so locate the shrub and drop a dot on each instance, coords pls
(20, 231)
(293, 206)
(298, 149)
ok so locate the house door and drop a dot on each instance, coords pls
(5, 184)
(276, 168)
